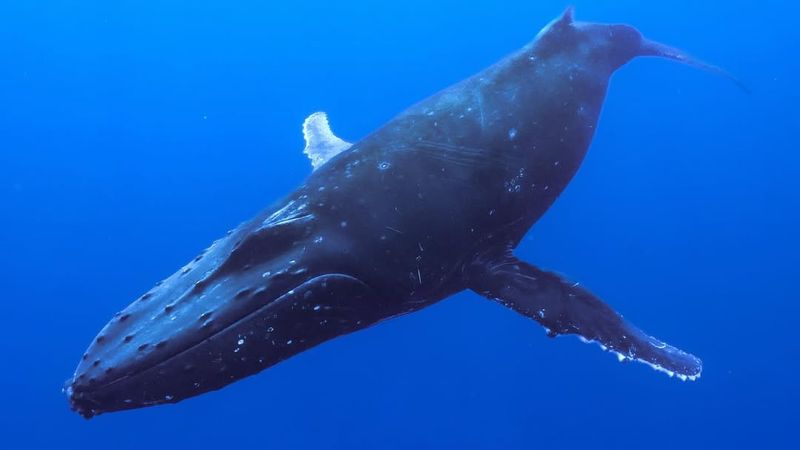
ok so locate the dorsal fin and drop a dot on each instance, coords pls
(321, 143)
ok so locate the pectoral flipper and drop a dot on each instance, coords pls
(563, 307)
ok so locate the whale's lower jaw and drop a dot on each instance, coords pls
(300, 319)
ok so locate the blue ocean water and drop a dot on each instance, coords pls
(135, 133)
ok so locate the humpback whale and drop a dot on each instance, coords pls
(431, 204)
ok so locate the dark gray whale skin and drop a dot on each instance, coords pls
(431, 204)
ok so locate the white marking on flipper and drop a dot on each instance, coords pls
(321, 143)
(623, 358)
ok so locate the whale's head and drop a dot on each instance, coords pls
(211, 323)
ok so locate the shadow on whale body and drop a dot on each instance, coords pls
(384, 228)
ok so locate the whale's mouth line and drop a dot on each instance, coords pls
(277, 301)
(193, 346)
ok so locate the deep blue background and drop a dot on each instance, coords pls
(136, 132)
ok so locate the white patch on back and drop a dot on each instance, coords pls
(321, 143)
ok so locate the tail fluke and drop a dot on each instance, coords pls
(652, 48)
